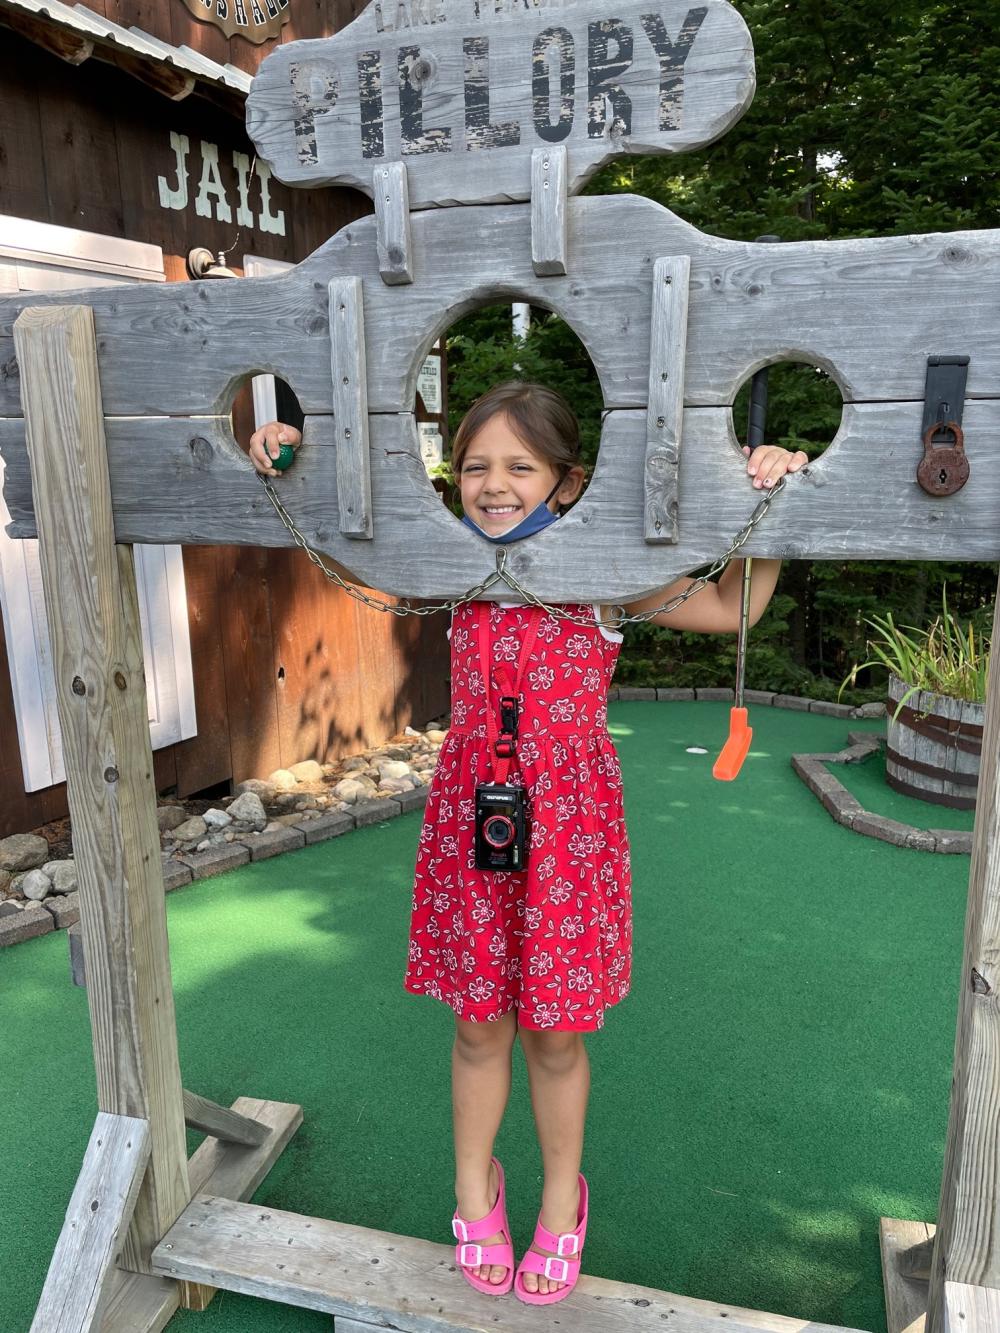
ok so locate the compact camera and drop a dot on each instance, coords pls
(501, 827)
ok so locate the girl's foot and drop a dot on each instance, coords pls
(560, 1217)
(477, 1205)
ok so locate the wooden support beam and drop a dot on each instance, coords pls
(548, 211)
(971, 1309)
(73, 47)
(93, 619)
(410, 1285)
(967, 1242)
(77, 1286)
(665, 412)
(392, 224)
(138, 1303)
(905, 1296)
(350, 407)
(222, 1122)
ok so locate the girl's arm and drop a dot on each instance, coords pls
(715, 609)
(266, 442)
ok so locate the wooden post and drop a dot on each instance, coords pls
(967, 1240)
(665, 411)
(350, 407)
(548, 211)
(392, 224)
(93, 619)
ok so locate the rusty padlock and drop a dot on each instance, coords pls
(944, 469)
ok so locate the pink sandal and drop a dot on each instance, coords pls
(470, 1255)
(563, 1266)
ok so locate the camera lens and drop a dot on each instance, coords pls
(498, 831)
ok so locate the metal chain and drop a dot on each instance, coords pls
(503, 575)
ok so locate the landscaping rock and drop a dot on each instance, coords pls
(258, 787)
(764, 697)
(213, 860)
(282, 779)
(192, 830)
(374, 811)
(355, 762)
(62, 874)
(435, 735)
(886, 830)
(792, 701)
(5, 879)
(307, 802)
(307, 770)
(633, 692)
(393, 786)
(674, 696)
(36, 885)
(217, 818)
(326, 826)
(952, 841)
(175, 875)
(23, 851)
(10, 907)
(169, 816)
(263, 845)
(394, 768)
(874, 709)
(828, 709)
(394, 752)
(249, 809)
(715, 694)
(412, 800)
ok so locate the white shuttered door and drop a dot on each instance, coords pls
(38, 257)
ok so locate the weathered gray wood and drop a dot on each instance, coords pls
(222, 1122)
(94, 630)
(971, 1309)
(665, 411)
(392, 223)
(163, 352)
(967, 1244)
(859, 500)
(138, 1303)
(350, 406)
(910, 751)
(77, 961)
(77, 1285)
(548, 211)
(905, 1297)
(462, 92)
(403, 1283)
(233, 1171)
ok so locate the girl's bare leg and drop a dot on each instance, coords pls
(480, 1086)
(559, 1074)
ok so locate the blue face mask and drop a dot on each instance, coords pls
(540, 517)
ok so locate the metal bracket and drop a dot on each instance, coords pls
(944, 394)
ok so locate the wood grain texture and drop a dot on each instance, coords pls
(392, 224)
(222, 1122)
(399, 1282)
(78, 1282)
(967, 1247)
(665, 411)
(468, 88)
(548, 211)
(93, 619)
(905, 1298)
(971, 1309)
(350, 407)
(163, 352)
(860, 500)
(138, 1303)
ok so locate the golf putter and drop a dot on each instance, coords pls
(731, 757)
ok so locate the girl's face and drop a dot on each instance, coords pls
(502, 480)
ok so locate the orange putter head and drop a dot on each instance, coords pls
(730, 760)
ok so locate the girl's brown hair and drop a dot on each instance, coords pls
(540, 418)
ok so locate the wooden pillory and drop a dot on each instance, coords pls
(115, 429)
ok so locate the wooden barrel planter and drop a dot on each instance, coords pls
(933, 747)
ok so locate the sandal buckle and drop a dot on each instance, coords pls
(458, 1229)
(550, 1263)
(567, 1236)
(464, 1261)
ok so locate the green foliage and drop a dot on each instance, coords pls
(868, 121)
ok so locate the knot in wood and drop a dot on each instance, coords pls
(111, 774)
(120, 680)
(78, 686)
(980, 986)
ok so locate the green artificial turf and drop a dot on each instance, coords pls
(866, 781)
(777, 1080)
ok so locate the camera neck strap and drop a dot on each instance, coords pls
(503, 734)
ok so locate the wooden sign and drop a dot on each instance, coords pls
(256, 20)
(462, 91)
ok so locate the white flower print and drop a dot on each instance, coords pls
(459, 712)
(529, 751)
(559, 892)
(562, 710)
(580, 978)
(508, 648)
(542, 678)
(442, 901)
(483, 911)
(566, 807)
(592, 679)
(571, 927)
(581, 844)
(547, 867)
(415, 951)
(576, 645)
(532, 918)
(548, 629)
(481, 990)
(542, 964)
(546, 1015)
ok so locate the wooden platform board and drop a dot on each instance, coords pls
(399, 1282)
(905, 1298)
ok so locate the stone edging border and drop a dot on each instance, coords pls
(848, 810)
(62, 911)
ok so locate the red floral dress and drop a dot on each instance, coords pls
(553, 941)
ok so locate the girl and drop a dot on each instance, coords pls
(540, 952)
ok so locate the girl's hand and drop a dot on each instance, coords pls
(266, 443)
(768, 462)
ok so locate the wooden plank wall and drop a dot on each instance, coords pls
(286, 667)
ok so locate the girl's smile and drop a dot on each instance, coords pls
(502, 479)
